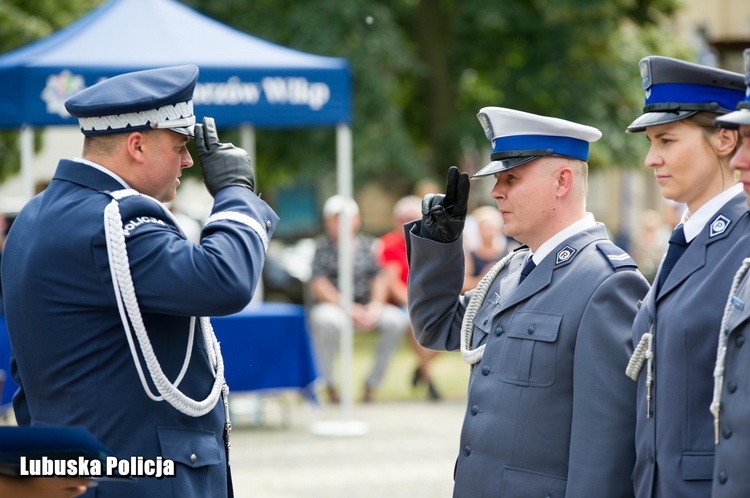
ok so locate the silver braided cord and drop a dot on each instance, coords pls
(130, 313)
(721, 352)
(641, 353)
(472, 356)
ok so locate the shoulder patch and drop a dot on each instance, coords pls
(615, 255)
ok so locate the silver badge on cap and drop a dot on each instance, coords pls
(564, 255)
(645, 66)
(746, 59)
(719, 226)
(484, 120)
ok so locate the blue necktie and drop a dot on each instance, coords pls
(677, 245)
(530, 265)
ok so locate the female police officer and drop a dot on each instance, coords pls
(676, 328)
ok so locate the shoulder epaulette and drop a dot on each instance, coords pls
(615, 255)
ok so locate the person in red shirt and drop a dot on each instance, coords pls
(392, 257)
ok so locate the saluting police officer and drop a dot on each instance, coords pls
(105, 295)
(676, 329)
(546, 331)
(731, 403)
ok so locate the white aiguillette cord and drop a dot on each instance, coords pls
(130, 313)
(472, 356)
(721, 351)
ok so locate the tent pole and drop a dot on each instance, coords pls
(247, 142)
(26, 146)
(346, 426)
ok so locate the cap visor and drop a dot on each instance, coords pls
(503, 165)
(734, 119)
(183, 130)
(657, 118)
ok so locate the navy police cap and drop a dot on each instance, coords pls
(50, 441)
(142, 100)
(677, 89)
(740, 117)
(520, 137)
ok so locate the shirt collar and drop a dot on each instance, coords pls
(695, 222)
(584, 223)
(103, 170)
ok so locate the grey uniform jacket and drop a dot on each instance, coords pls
(675, 445)
(550, 411)
(731, 476)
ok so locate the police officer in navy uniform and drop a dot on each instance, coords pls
(106, 298)
(546, 331)
(676, 329)
(731, 403)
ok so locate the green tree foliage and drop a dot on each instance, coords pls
(422, 69)
(24, 22)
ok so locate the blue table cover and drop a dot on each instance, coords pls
(264, 348)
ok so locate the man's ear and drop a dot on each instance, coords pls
(564, 177)
(135, 145)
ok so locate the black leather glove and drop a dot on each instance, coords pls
(443, 215)
(222, 164)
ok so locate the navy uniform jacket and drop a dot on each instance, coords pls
(71, 355)
(731, 476)
(675, 446)
(548, 413)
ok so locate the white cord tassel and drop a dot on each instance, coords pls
(721, 352)
(472, 356)
(130, 313)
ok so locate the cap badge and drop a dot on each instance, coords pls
(718, 226)
(564, 255)
(645, 66)
(746, 59)
(484, 120)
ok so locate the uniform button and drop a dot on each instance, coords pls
(486, 370)
(467, 450)
(530, 329)
(474, 409)
(499, 330)
(726, 432)
(651, 319)
(193, 457)
(722, 476)
(731, 386)
(485, 321)
(739, 340)
(268, 225)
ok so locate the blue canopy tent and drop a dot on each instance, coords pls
(244, 81)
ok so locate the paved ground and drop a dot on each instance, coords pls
(408, 451)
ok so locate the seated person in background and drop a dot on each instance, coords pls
(369, 309)
(493, 245)
(392, 257)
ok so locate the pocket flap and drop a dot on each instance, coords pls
(535, 326)
(697, 466)
(192, 447)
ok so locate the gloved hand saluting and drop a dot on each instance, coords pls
(443, 215)
(222, 164)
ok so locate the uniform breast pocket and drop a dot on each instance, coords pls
(529, 353)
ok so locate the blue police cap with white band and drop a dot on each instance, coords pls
(520, 137)
(740, 117)
(677, 89)
(142, 100)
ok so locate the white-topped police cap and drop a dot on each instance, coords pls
(677, 89)
(740, 117)
(520, 137)
(142, 100)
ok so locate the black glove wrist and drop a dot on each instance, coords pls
(443, 215)
(222, 164)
